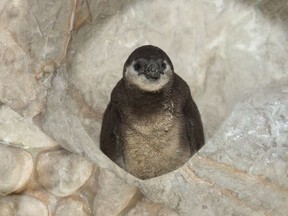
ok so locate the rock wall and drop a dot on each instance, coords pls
(59, 61)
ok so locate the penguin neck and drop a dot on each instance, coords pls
(146, 102)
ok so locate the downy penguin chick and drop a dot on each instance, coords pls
(152, 125)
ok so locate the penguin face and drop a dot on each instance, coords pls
(148, 68)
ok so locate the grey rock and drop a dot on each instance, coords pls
(72, 205)
(240, 171)
(16, 129)
(113, 196)
(19, 89)
(256, 132)
(22, 205)
(148, 208)
(15, 169)
(61, 172)
(219, 47)
(34, 38)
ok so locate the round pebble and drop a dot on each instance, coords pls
(61, 172)
(22, 205)
(15, 169)
(74, 205)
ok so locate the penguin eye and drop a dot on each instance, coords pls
(137, 66)
(163, 65)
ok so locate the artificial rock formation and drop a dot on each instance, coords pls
(27, 133)
(58, 64)
(22, 205)
(113, 200)
(15, 169)
(62, 173)
(72, 206)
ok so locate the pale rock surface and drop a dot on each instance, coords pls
(242, 170)
(34, 37)
(73, 205)
(18, 87)
(27, 133)
(148, 208)
(15, 169)
(113, 196)
(223, 49)
(22, 205)
(256, 132)
(61, 172)
(69, 121)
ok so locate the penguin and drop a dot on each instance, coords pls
(151, 125)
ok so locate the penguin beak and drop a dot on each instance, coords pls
(153, 71)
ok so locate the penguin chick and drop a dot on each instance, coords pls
(152, 125)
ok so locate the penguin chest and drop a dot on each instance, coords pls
(155, 145)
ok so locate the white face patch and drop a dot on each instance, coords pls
(146, 84)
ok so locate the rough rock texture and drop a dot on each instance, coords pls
(22, 205)
(223, 49)
(59, 61)
(15, 169)
(113, 200)
(239, 168)
(27, 133)
(148, 208)
(72, 206)
(257, 130)
(61, 172)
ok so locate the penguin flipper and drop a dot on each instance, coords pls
(109, 136)
(193, 124)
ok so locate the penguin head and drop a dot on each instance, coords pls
(148, 68)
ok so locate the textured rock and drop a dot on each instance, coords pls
(62, 173)
(75, 206)
(22, 205)
(148, 208)
(257, 133)
(34, 38)
(221, 48)
(21, 131)
(15, 169)
(19, 89)
(46, 31)
(65, 116)
(111, 199)
(240, 171)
